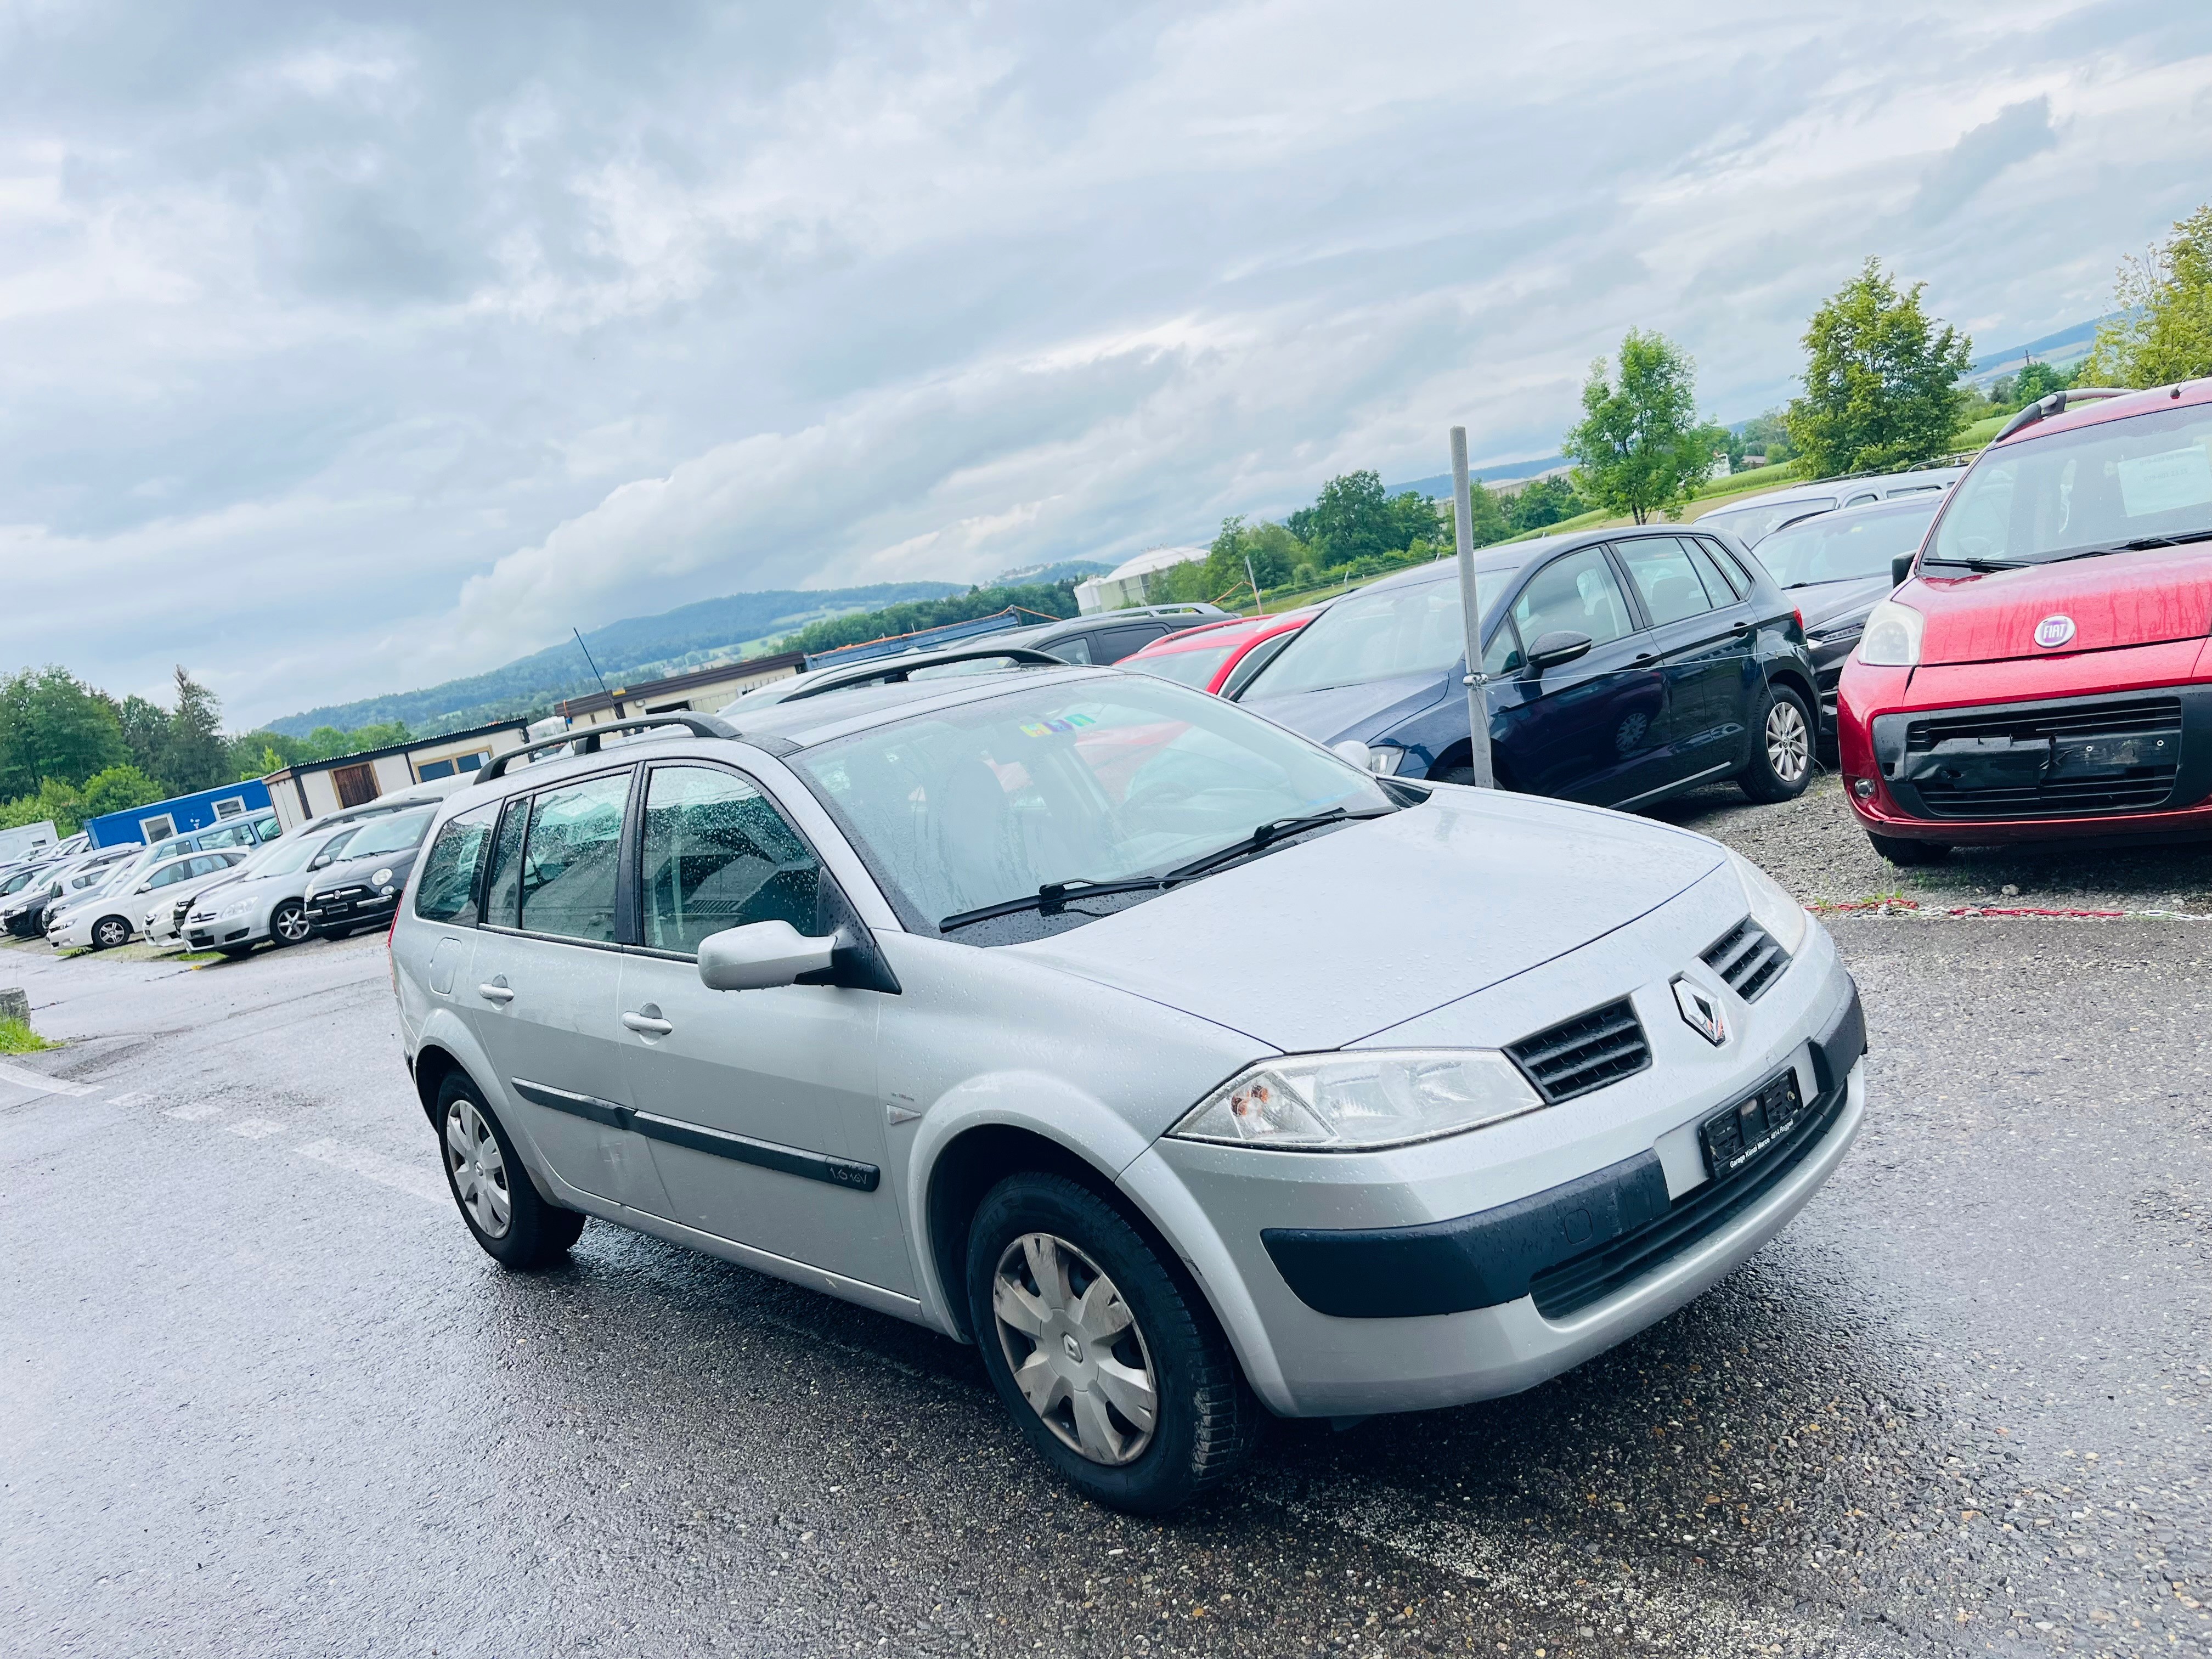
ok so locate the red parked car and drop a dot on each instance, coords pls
(1221, 657)
(2043, 672)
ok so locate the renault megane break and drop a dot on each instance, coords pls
(1083, 1016)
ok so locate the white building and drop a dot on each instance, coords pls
(315, 787)
(1127, 584)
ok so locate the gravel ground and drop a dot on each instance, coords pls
(1815, 848)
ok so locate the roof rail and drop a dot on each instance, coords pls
(894, 670)
(587, 741)
(2054, 403)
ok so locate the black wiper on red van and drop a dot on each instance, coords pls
(2140, 544)
(1975, 564)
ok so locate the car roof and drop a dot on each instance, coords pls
(2181, 394)
(1928, 500)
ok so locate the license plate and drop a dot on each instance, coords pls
(1736, 1137)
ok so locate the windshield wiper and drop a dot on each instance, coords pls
(1052, 898)
(1978, 564)
(1264, 836)
(2140, 544)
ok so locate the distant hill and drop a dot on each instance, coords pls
(635, 649)
(1440, 487)
(2067, 345)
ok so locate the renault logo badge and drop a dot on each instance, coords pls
(1701, 1011)
(2054, 631)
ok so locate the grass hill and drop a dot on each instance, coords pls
(634, 649)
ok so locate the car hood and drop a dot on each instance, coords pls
(1334, 713)
(1825, 602)
(347, 871)
(2120, 599)
(1344, 934)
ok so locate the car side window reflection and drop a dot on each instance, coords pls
(1576, 594)
(568, 859)
(1661, 569)
(718, 855)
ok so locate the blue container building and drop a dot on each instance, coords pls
(180, 817)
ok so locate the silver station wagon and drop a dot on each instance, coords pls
(1187, 1069)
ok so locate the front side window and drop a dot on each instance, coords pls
(1666, 581)
(1100, 780)
(718, 855)
(2141, 479)
(569, 860)
(448, 888)
(1576, 594)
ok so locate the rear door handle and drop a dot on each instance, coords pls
(647, 1025)
(495, 992)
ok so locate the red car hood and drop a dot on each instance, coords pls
(2118, 600)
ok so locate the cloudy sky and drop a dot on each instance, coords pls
(343, 351)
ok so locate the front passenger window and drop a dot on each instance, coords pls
(569, 860)
(1576, 594)
(718, 855)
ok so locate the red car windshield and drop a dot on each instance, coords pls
(1195, 668)
(2140, 481)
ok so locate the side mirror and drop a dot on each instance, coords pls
(1557, 649)
(1350, 750)
(1901, 569)
(760, 955)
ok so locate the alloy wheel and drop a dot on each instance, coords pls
(479, 1168)
(109, 934)
(1789, 745)
(291, 924)
(1074, 1349)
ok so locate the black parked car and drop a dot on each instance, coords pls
(1624, 665)
(1110, 636)
(1836, 567)
(360, 886)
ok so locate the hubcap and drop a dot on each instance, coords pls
(1074, 1349)
(113, 933)
(479, 1172)
(1788, 747)
(291, 925)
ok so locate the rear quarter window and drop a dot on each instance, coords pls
(447, 891)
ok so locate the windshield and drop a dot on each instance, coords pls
(1383, 633)
(2098, 486)
(1753, 525)
(1841, 549)
(285, 857)
(1101, 779)
(1195, 668)
(396, 834)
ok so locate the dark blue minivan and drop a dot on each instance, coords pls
(1622, 665)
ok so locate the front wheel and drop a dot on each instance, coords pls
(109, 931)
(289, 924)
(1780, 764)
(516, 1227)
(1901, 852)
(1111, 1363)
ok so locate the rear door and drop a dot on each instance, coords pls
(542, 987)
(760, 1106)
(1700, 633)
(1588, 730)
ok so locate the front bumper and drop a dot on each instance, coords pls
(349, 907)
(1496, 1295)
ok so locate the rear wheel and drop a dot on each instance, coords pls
(1902, 852)
(109, 931)
(289, 925)
(1780, 764)
(1111, 1363)
(516, 1227)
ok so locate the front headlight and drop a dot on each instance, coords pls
(1893, 633)
(1784, 918)
(1354, 1102)
(382, 879)
(235, 907)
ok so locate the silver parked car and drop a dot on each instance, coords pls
(265, 898)
(1185, 1067)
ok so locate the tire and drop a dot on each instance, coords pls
(1054, 1241)
(516, 1227)
(1909, 852)
(109, 931)
(1781, 763)
(287, 924)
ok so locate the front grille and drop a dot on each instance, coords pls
(2151, 725)
(1747, 959)
(1584, 1053)
(1563, 1290)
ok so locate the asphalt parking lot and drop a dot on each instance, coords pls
(263, 1394)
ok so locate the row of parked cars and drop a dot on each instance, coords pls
(227, 888)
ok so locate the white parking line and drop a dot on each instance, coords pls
(257, 1128)
(375, 1166)
(199, 1112)
(24, 1077)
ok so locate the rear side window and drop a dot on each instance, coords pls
(447, 891)
(1671, 590)
(1730, 566)
(1074, 650)
(718, 855)
(570, 857)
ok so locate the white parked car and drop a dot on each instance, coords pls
(173, 899)
(1185, 1067)
(109, 916)
(264, 899)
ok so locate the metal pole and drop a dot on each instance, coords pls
(1478, 705)
(1258, 603)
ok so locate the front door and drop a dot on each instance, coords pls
(761, 1107)
(543, 989)
(1701, 634)
(1588, 730)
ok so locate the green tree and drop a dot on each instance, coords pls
(1485, 518)
(119, 788)
(1639, 448)
(2163, 333)
(1350, 519)
(2034, 381)
(192, 758)
(145, 726)
(1543, 503)
(1879, 379)
(1768, 435)
(53, 799)
(75, 731)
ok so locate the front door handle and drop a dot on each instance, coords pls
(496, 991)
(1644, 658)
(647, 1025)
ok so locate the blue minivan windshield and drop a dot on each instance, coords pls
(1383, 633)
